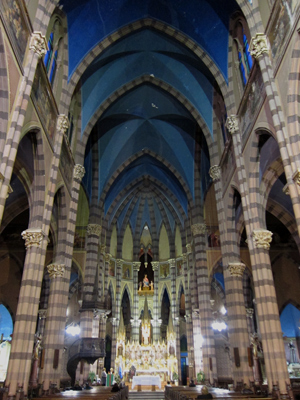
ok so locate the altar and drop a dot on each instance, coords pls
(146, 380)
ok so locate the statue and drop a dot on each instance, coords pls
(151, 285)
(145, 282)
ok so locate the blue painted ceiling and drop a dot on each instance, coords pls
(151, 127)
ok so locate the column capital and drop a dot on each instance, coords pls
(33, 237)
(198, 229)
(79, 172)
(107, 257)
(155, 265)
(136, 265)
(62, 123)
(94, 229)
(236, 268)
(249, 312)
(215, 173)
(38, 43)
(259, 45)
(56, 270)
(262, 238)
(188, 248)
(172, 263)
(232, 124)
(120, 262)
(42, 313)
(296, 177)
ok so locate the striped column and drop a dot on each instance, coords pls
(172, 265)
(115, 325)
(237, 322)
(260, 51)
(101, 272)
(95, 334)
(156, 320)
(23, 339)
(54, 328)
(107, 260)
(93, 233)
(188, 314)
(197, 333)
(267, 308)
(37, 49)
(208, 348)
(135, 321)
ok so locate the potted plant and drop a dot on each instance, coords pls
(175, 378)
(91, 377)
(200, 377)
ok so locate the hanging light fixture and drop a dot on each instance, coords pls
(73, 329)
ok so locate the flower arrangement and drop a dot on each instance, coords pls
(200, 377)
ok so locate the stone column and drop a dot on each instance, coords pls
(267, 308)
(197, 347)
(237, 323)
(101, 272)
(37, 49)
(55, 323)
(260, 51)
(95, 334)
(89, 294)
(22, 344)
(250, 323)
(188, 314)
(208, 348)
(107, 260)
(41, 322)
(115, 325)
(156, 321)
(135, 321)
(172, 265)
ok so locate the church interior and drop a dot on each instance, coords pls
(149, 188)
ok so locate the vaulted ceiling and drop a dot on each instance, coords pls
(148, 70)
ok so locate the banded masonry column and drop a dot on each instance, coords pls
(208, 347)
(267, 309)
(172, 265)
(259, 49)
(156, 322)
(106, 281)
(135, 324)
(55, 327)
(89, 295)
(115, 326)
(237, 323)
(37, 49)
(19, 366)
(95, 334)
(197, 343)
(115, 320)
(101, 272)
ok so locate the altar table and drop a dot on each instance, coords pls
(148, 380)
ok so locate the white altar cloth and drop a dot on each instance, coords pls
(146, 380)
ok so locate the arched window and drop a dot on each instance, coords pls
(243, 54)
(51, 57)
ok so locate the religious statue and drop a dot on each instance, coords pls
(140, 286)
(37, 348)
(151, 285)
(145, 282)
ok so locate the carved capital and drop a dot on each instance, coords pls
(119, 262)
(38, 44)
(296, 177)
(172, 263)
(33, 237)
(232, 124)
(155, 265)
(249, 312)
(94, 229)
(262, 238)
(79, 172)
(107, 257)
(236, 269)
(56, 270)
(259, 45)
(198, 229)
(189, 248)
(286, 189)
(136, 265)
(215, 172)
(42, 313)
(62, 124)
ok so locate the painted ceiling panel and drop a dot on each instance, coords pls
(205, 21)
(185, 78)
